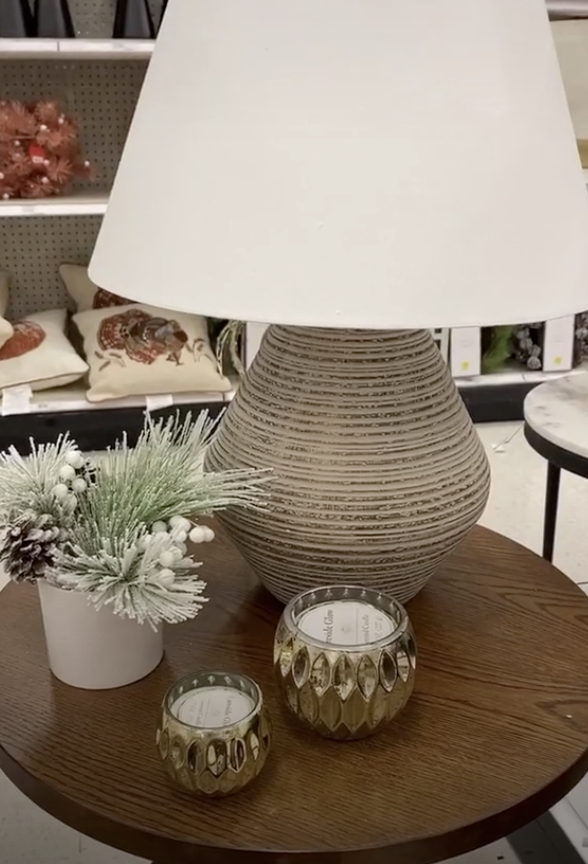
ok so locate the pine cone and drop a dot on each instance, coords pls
(30, 546)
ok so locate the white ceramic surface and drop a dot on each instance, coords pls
(558, 411)
(95, 650)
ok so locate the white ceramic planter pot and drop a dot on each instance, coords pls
(95, 650)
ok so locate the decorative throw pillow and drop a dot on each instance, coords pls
(84, 292)
(6, 328)
(140, 350)
(39, 353)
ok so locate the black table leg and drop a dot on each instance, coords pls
(551, 502)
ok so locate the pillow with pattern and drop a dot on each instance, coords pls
(6, 329)
(141, 350)
(39, 353)
(85, 294)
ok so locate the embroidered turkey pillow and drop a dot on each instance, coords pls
(85, 294)
(6, 329)
(39, 353)
(140, 350)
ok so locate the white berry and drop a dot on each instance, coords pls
(179, 535)
(74, 458)
(176, 552)
(43, 127)
(60, 491)
(197, 535)
(166, 559)
(79, 485)
(68, 472)
(179, 522)
(208, 534)
(71, 502)
(159, 528)
(167, 578)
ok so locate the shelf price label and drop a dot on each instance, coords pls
(156, 403)
(16, 400)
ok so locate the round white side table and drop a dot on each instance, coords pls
(556, 426)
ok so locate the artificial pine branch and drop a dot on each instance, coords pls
(118, 531)
(162, 477)
(29, 484)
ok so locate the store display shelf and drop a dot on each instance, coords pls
(81, 204)
(73, 398)
(512, 376)
(76, 49)
(500, 398)
(95, 425)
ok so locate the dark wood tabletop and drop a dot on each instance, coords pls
(495, 734)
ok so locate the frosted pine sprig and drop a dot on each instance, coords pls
(162, 477)
(129, 575)
(29, 483)
(124, 522)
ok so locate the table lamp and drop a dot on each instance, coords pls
(352, 173)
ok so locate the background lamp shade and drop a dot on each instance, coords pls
(366, 163)
(349, 171)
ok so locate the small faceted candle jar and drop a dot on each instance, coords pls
(345, 659)
(215, 733)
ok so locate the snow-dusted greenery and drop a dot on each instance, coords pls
(126, 521)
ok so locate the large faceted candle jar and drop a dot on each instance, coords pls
(345, 660)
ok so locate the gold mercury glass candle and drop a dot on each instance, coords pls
(345, 659)
(215, 733)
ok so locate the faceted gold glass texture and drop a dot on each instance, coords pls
(345, 691)
(217, 761)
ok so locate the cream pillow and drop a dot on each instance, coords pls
(84, 292)
(6, 328)
(140, 350)
(40, 354)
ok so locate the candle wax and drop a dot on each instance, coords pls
(346, 622)
(213, 707)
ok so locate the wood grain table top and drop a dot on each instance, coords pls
(495, 734)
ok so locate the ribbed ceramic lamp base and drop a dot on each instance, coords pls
(378, 471)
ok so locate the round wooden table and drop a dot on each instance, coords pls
(495, 734)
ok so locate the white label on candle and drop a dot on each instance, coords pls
(213, 707)
(346, 622)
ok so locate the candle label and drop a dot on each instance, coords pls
(213, 707)
(346, 622)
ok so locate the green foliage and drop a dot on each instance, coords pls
(499, 351)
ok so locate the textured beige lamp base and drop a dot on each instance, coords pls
(378, 471)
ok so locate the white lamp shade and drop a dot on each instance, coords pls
(360, 163)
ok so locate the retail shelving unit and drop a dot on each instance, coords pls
(99, 80)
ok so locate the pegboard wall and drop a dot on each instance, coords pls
(102, 95)
(31, 251)
(94, 19)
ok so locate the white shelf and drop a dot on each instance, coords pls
(73, 398)
(93, 204)
(76, 49)
(514, 377)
